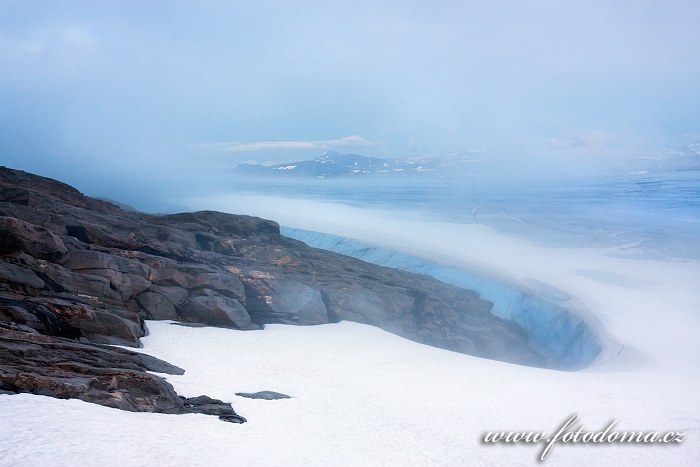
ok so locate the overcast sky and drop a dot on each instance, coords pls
(110, 89)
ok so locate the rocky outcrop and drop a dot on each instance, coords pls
(109, 376)
(73, 267)
(36, 241)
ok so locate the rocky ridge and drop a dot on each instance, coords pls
(77, 273)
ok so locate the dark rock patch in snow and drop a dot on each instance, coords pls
(267, 395)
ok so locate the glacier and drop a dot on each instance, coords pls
(559, 327)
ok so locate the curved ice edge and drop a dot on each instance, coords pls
(560, 328)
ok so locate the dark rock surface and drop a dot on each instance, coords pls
(78, 268)
(266, 395)
(209, 406)
(67, 368)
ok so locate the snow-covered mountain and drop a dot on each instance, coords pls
(470, 163)
(333, 164)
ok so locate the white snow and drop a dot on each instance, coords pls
(362, 396)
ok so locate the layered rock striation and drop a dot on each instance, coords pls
(77, 273)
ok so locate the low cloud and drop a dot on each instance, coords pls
(347, 141)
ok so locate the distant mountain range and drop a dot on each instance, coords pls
(333, 165)
(336, 165)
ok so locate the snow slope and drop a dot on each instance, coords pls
(360, 397)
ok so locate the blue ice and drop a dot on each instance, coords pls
(559, 334)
